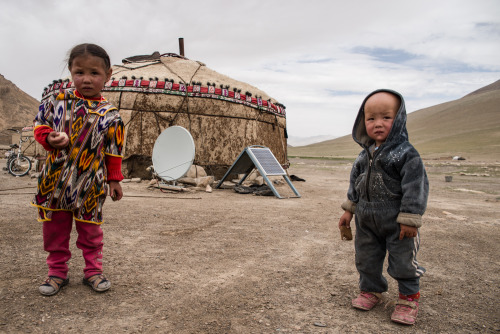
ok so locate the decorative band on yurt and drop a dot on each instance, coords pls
(168, 87)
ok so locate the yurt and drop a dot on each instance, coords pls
(223, 115)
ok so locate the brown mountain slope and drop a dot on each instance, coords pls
(468, 127)
(17, 108)
(493, 86)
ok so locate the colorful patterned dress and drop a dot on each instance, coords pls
(74, 178)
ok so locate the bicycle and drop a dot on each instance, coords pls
(17, 163)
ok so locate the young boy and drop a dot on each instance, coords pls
(388, 196)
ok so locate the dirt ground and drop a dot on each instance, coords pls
(224, 262)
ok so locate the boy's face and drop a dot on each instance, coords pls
(380, 111)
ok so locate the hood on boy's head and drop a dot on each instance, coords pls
(398, 131)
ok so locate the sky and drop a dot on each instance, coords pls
(318, 58)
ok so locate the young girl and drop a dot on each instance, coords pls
(83, 134)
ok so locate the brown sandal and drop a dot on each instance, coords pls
(52, 285)
(98, 282)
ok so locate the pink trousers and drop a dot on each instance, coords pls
(56, 235)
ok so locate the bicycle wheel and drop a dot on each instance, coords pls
(7, 164)
(9, 158)
(19, 166)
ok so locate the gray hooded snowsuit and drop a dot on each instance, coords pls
(387, 188)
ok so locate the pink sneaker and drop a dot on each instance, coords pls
(405, 312)
(366, 300)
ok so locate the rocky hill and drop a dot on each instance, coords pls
(17, 109)
(468, 127)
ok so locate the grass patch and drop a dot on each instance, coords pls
(493, 171)
(461, 167)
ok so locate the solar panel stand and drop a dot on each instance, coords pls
(262, 158)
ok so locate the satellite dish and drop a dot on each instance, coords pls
(173, 153)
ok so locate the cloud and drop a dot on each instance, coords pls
(385, 54)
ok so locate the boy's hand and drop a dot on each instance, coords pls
(58, 140)
(115, 190)
(345, 226)
(345, 219)
(407, 231)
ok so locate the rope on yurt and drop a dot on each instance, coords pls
(132, 118)
(157, 123)
(281, 138)
(134, 68)
(119, 107)
(120, 101)
(258, 114)
(186, 97)
(208, 115)
(187, 100)
(177, 112)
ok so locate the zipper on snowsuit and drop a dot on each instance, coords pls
(368, 174)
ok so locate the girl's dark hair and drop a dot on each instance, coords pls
(89, 49)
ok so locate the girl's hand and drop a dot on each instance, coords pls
(407, 231)
(58, 140)
(115, 190)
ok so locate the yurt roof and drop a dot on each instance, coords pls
(170, 66)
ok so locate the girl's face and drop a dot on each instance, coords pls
(89, 75)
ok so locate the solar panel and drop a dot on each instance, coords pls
(263, 159)
(267, 161)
